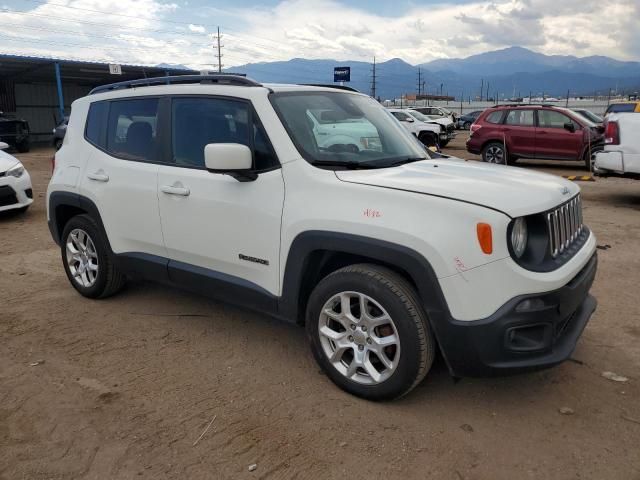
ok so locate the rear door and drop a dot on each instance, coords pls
(554, 138)
(520, 132)
(122, 172)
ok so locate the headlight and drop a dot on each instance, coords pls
(519, 236)
(16, 171)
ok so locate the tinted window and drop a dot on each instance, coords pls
(131, 129)
(523, 118)
(95, 123)
(494, 117)
(198, 122)
(621, 108)
(553, 119)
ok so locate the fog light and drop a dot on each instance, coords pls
(530, 304)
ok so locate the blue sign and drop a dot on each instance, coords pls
(342, 74)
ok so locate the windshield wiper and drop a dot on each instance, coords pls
(403, 161)
(375, 163)
(351, 164)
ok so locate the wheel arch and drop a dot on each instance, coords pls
(315, 254)
(65, 205)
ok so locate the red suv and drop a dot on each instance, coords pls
(504, 133)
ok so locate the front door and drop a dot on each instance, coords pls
(554, 138)
(214, 225)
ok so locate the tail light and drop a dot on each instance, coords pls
(474, 128)
(612, 133)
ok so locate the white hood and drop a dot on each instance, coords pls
(444, 121)
(514, 191)
(6, 161)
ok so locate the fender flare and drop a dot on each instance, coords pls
(410, 261)
(59, 199)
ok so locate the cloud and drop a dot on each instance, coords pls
(197, 28)
(319, 29)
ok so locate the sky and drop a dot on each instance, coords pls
(183, 31)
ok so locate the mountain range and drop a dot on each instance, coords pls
(510, 72)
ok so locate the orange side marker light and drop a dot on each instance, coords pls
(485, 237)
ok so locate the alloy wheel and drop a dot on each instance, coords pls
(359, 338)
(495, 154)
(82, 258)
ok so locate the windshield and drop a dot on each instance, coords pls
(343, 129)
(419, 116)
(592, 117)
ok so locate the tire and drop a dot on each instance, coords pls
(385, 293)
(495, 152)
(103, 281)
(466, 126)
(444, 143)
(58, 143)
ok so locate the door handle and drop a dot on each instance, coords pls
(172, 190)
(98, 176)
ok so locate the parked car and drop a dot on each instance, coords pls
(59, 132)
(589, 115)
(503, 134)
(623, 107)
(431, 134)
(381, 253)
(14, 132)
(447, 130)
(466, 120)
(436, 112)
(15, 183)
(621, 154)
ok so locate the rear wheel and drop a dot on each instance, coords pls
(23, 147)
(87, 259)
(58, 143)
(495, 152)
(429, 139)
(369, 332)
(467, 125)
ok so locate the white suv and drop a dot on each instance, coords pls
(221, 185)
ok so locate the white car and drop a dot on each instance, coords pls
(447, 127)
(220, 185)
(15, 184)
(621, 154)
(431, 134)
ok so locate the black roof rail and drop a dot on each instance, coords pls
(524, 105)
(220, 79)
(329, 85)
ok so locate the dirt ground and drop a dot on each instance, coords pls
(123, 388)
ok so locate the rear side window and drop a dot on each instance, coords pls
(131, 131)
(197, 122)
(494, 117)
(95, 123)
(522, 118)
(403, 117)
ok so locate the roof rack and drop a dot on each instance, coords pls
(220, 79)
(524, 105)
(329, 85)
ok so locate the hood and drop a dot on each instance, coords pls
(444, 121)
(514, 191)
(7, 161)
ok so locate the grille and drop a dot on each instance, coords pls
(7, 196)
(564, 225)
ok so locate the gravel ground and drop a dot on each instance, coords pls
(123, 388)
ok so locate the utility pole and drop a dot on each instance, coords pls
(487, 90)
(373, 79)
(481, 88)
(567, 102)
(419, 80)
(218, 38)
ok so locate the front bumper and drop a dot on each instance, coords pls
(15, 192)
(521, 337)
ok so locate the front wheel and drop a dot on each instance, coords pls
(495, 152)
(369, 332)
(467, 125)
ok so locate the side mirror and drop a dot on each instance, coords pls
(4, 146)
(570, 126)
(231, 159)
(410, 120)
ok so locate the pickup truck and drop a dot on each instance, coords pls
(621, 154)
